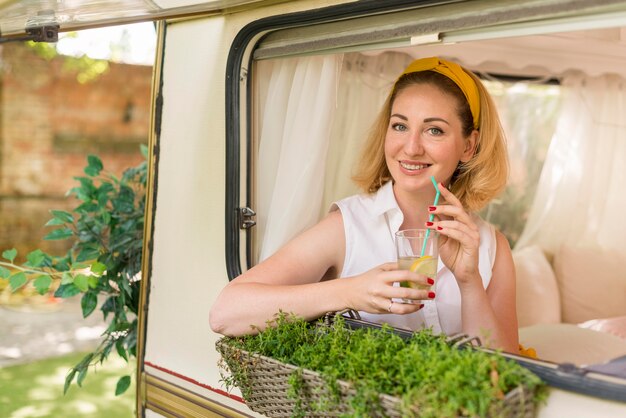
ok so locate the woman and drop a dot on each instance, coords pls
(439, 121)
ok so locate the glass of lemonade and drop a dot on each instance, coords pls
(410, 243)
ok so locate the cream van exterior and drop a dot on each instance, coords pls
(204, 161)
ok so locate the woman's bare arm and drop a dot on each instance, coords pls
(290, 280)
(493, 315)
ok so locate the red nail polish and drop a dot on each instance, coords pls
(431, 295)
(421, 305)
(442, 185)
(430, 281)
(432, 208)
(439, 228)
(429, 224)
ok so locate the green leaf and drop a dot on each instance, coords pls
(122, 326)
(36, 258)
(92, 282)
(86, 235)
(87, 187)
(85, 361)
(103, 195)
(67, 278)
(91, 172)
(67, 291)
(121, 351)
(108, 306)
(61, 233)
(76, 191)
(88, 303)
(42, 284)
(4, 273)
(17, 280)
(79, 265)
(106, 349)
(95, 166)
(61, 264)
(98, 268)
(9, 254)
(68, 380)
(81, 376)
(54, 222)
(81, 282)
(126, 286)
(87, 207)
(106, 218)
(122, 385)
(106, 187)
(143, 148)
(125, 200)
(63, 216)
(87, 254)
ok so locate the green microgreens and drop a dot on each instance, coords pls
(424, 372)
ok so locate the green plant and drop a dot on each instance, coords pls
(429, 376)
(104, 261)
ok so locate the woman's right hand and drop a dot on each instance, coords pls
(374, 290)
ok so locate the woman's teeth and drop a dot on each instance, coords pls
(413, 166)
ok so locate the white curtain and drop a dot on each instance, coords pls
(295, 125)
(315, 115)
(580, 197)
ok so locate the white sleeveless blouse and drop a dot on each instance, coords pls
(370, 223)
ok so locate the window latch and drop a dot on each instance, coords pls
(246, 216)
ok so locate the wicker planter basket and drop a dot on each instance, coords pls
(265, 387)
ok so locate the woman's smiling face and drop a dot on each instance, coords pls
(424, 138)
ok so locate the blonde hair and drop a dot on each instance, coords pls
(475, 182)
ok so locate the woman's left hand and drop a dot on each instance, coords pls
(459, 237)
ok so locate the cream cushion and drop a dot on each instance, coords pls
(567, 343)
(592, 283)
(537, 291)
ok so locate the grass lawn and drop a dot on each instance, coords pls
(36, 390)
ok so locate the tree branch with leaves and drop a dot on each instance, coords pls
(103, 263)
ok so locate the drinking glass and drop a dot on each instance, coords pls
(417, 251)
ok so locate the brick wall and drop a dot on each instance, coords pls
(49, 123)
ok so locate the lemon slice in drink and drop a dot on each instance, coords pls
(426, 265)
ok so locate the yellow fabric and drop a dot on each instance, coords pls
(455, 73)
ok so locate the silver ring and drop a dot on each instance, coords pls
(390, 305)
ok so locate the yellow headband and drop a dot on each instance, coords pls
(455, 73)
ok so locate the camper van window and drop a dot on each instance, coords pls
(308, 114)
(560, 111)
(354, 86)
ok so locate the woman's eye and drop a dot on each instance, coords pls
(398, 127)
(435, 131)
